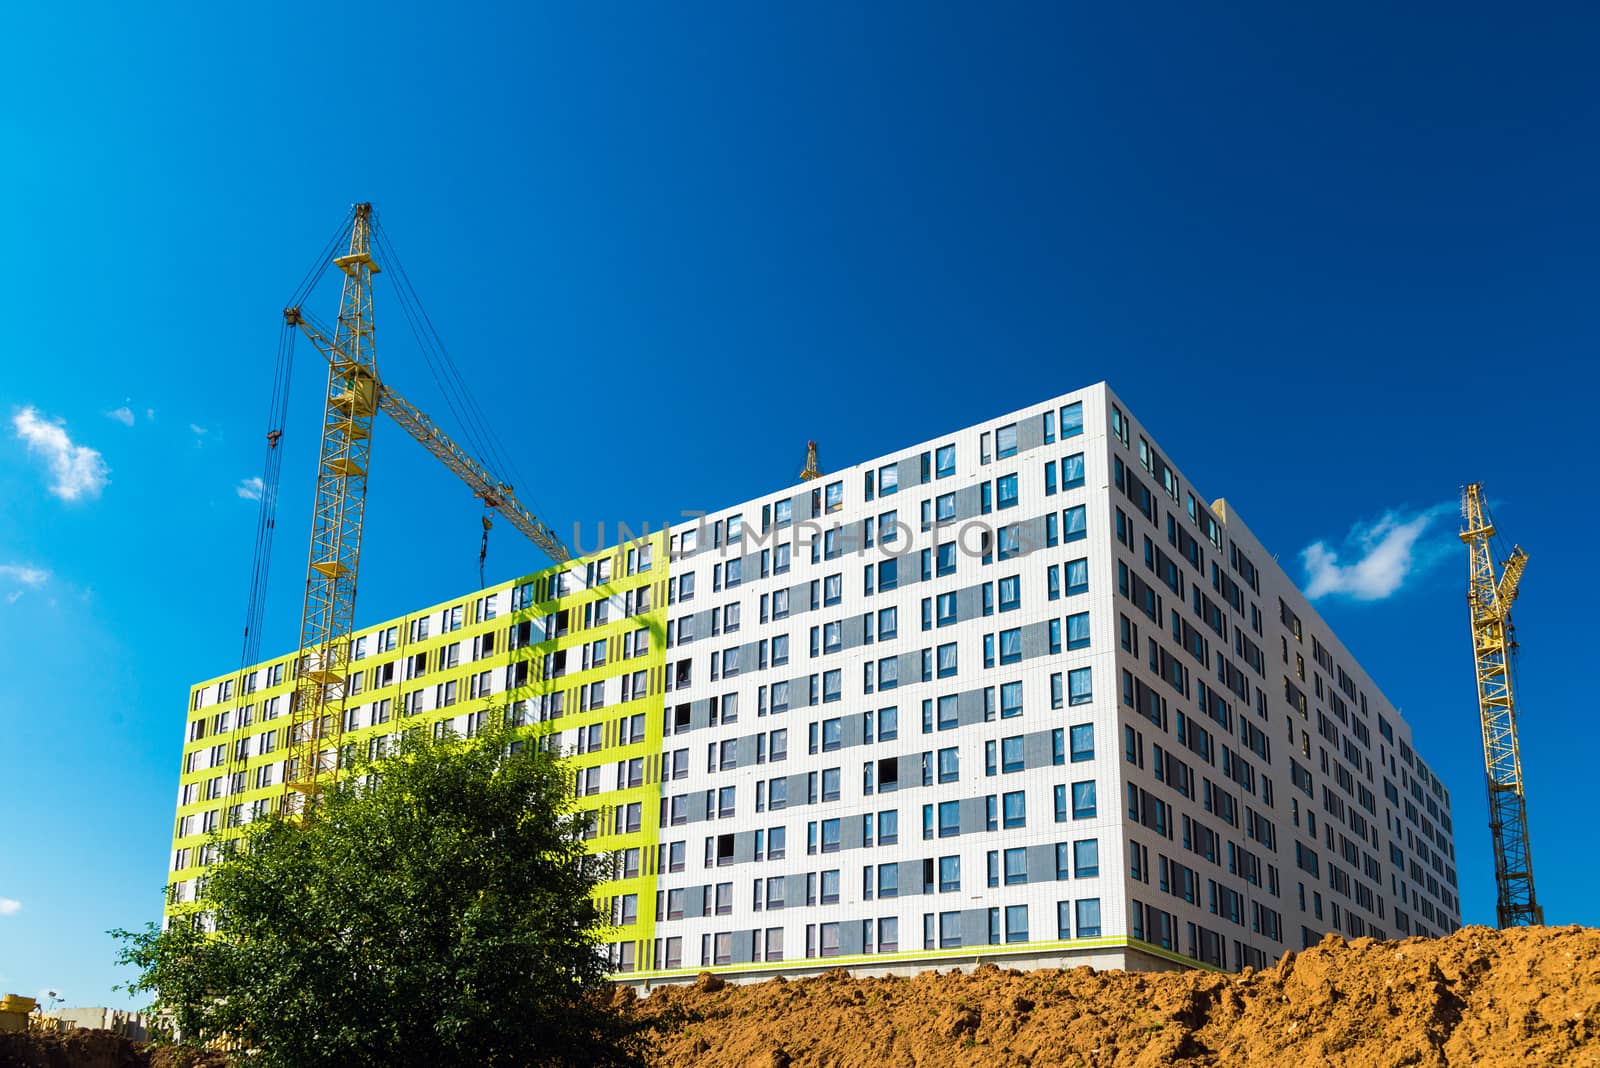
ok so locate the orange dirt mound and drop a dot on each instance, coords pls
(1480, 997)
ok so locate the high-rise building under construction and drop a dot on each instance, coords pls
(1014, 693)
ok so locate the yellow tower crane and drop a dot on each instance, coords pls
(355, 394)
(1494, 648)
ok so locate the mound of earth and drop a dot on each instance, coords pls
(1481, 997)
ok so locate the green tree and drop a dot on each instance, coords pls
(436, 910)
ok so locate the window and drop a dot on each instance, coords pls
(946, 614)
(1015, 807)
(1082, 742)
(949, 820)
(888, 575)
(944, 507)
(949, 712)
(1010, 699)
(1005, 442)
(1080, 688)
(1005, 491)
(1010, 593)
(833, 497)
(945, 461)
(888, 623)
(1083, 800)
(1012, 757)
(949, 874)
(832, 589)
(1072, 420)
(1089, 917)
(1016, 923)
(947, 660)
(1075, 524)
(947, 558)
(830, 784)
(1077, 576)
(1072, 471)
(1011, 646)
(888, 479)
(1010, 539)
(1086, 857)
(1078, 631)
(831, 683)
(949, 765)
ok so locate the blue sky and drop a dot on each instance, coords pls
(1340, 261)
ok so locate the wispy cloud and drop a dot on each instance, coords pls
(249, 489)
(199, 433)
(9, 906)
(123, 415)
(76, 471)
(1376, 557)
(21, 578)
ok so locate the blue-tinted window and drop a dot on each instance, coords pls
(944, 507)
(1072, 471)
(945, 462)
(948, 664)
(1010, 541)
(1017, 921)
(950, 765)
(1075, 524)
(949, 712)
(949, 819)
(1078, 631)
(1010, 699)
(1015, 805)
(1082, 742)
(1011, 645)
(1077, 577)
(947, 609)
(947, 558)
(1089, 917)
(1086, 857)
(1083, 800)
(1016, 861)
(1010, 593)
(889, 575)
(1080, 687)
(1005, 442)
(1072, 420)
(1011, 754)
(949, 874)
(1005, 491)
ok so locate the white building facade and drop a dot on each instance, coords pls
(1014, 693)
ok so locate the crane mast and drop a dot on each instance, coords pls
(1490, 599)
(328, 615)
(354, 396)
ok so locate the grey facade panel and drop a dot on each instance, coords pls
(1030, 433)
(794, 891)
(853, 730)
(910, 668)
(910, 770)
(970, 706)
(694, 900)
(747, 751)
(851, 632)
(851, 833)
(700, 713)
(744, 847)
(969, 603)
(696, 803)
(974, 927)
(1035, 639)
(850, 935)
(1038, 749)
(744, 948)
(974, 814)
(1041, 863)
(910, 472)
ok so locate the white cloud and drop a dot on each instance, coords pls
(123, 415)
(28, 576)
(249, 489)
(1382, 555)
(9, 906)
(76, 470)
(149, 413)
(199, 433)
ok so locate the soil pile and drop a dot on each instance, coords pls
(1480, 997)
(96, 1049)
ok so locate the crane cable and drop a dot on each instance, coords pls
(272, 467)
(474, 425)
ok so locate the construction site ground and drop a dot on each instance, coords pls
(1486, 998)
